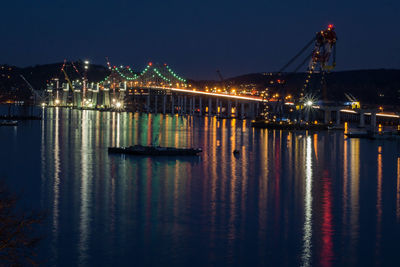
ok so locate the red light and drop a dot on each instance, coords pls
(114, 67)
(330, 26)
(150, 63)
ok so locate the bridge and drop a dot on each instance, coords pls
(156, 89)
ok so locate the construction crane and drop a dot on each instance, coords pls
(36, 93)
(323, 52)
(68, 80)
(222, 81)
(322, 59)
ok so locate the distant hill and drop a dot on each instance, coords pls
(381, 86)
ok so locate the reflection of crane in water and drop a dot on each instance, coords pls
(321, 60)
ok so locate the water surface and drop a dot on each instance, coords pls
(289, 199)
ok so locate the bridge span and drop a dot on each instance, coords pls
(155, 89)
(158, 89)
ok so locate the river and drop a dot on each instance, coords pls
(288, 198)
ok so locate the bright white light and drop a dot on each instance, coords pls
(309, 103)
(57, 101)
(86, 62)
(118, 104)
(43, 104)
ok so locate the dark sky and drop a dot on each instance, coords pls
(197, 37)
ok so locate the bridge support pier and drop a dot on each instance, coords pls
(191, 106)
(252, 111)
(217, 109)
(107, 102)
(172, 105)
(122, 93)
(337, 117)
(229, 111)
(200, 107)
(181, 105)
(94, 97)
(209, 107)
(51, 98)
(373, 121)
(185, 105)
(362, 119)
(77, 99)
(242, 110)
(164, 103)
(65, 96)
(327, 116)
(236, 109)
(155, 104)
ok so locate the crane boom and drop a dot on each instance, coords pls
(35, 93)
(68, 80)
(222, 80)
(220, 76)
(297, 55)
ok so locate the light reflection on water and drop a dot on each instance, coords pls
(287, 199)
(307, 229)
(398, 191)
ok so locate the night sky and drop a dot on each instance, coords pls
(197, 37)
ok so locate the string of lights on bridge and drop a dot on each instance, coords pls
(144, 71)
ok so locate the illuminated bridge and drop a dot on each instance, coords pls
(157, 89)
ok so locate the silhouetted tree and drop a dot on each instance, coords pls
(17, 231)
